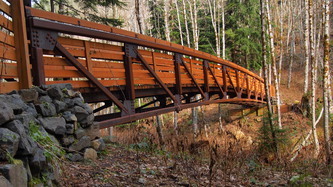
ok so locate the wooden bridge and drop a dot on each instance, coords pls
(115, 66)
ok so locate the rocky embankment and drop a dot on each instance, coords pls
(39, 128)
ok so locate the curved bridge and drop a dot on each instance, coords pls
(115, 66)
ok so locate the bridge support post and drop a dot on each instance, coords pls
(178, 85)
(128, 64)
(206, 79)
(224, 77)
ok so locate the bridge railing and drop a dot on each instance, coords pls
(14, 55)
(112, 65)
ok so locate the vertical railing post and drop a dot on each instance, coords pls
(38, 72)
(21, 44)
(178, 85)
(248, 91)
(206, 78)
(224, 77)
(130, 90)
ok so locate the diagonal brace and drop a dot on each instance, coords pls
(215, 79)
(157, 78)
(193, 79)
(71, 59)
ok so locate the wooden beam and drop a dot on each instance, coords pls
(21, 44)
(90, 77)
(38, 70)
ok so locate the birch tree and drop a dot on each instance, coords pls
(265, 71)
(166, 19)
(306, 46)
(273, 61)
(186, 24)
(179, 23)
(313, 78)
(326, 76)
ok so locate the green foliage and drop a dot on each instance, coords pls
(243, 33)
(52, 152)
(267, 143)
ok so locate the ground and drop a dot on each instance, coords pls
(232, 156)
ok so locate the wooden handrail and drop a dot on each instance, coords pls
(135, 38)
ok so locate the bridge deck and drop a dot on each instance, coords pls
(115, 66)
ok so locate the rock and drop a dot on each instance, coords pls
(88, 121)
(28, 95)
(46, 109)
(88, 108)
(79, 102)
(142, 181)
(54, 125)
(75, 157)
(39, 91)
(37, 162)
(31, 110)
(4, 182)
(9, 141)
(69, 117)
(53, 174)
(63, 86)
(27, 146)
(60, 106)
(79, 133)
(233, 130)
(90, 154)
(80, 113)
(45, 99)
(69, 128)
(6, 113)
(26, 119)
(66, 141)
(98, 144)
(93, 131)
(69, 102)
(84, 142)
(14, 102)
(55, 92)
(16, 174)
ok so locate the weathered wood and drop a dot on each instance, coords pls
(21, 44)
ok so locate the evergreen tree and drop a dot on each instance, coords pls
(243, 33)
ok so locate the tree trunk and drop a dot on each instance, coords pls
(272, 50)
(166, 19)
(265, 72)
(292, 52)
(179, 23)
(137, 15)
(186, 25)
(306, 46)
(281, 43)
(326, 74)
(313, 79)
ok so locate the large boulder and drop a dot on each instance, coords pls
(54, 125)
(9, 142)
(28, 95)
(55, 92)
(69, 117)
(4, 182)
(37, 162)
(90, 154)
(15, 173)
(60, 106)
(93, 131)
(26, 145)
(14, 102)
(6, 113)
(46, 109)
(84, 142)
(80, 113)
(74, 157)
(98, 144)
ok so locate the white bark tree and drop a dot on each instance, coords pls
(313, 78)
(273, 59)
(326, 77)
